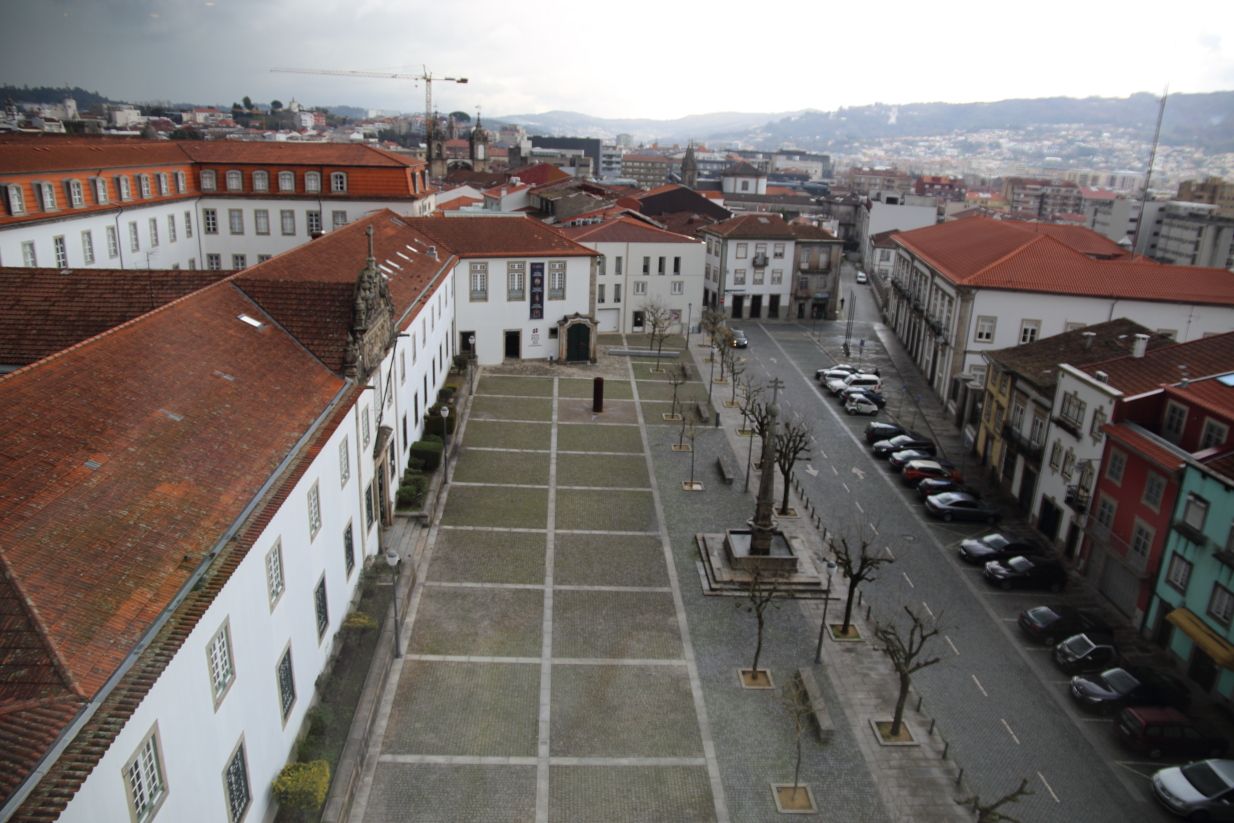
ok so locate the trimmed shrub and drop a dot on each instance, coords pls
(433, 423)
(303, 786)
(428, 452)
(359, 621)
(461, 361)
(446, 394)
(410, 494)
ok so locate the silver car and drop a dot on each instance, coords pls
(1198, 791)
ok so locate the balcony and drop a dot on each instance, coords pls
(1021, 443)
(1077, 499)
(1068, 425)
(760, 261)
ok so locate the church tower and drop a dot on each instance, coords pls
(436, 149)
(689, 167)
(479, 146)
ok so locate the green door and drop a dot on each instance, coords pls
(578, 343)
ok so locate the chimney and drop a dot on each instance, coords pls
(432, 252)
(1140, 346)
(1088, 339)
(1102, 376)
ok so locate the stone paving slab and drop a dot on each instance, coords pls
(608, 560)
(592, 624)
(609, 470)
(526, 386)
(598, 438)
(654, 411)
(514, 468)
(490, 407)
(629, 794)
(501, 435)
(646, 369)
(623, 711)
(613, 389)
(487, 557)
(575, 410)
(510, 506)
(476, 709)
(434, 793)
(605, 510)
(662, 390)
(479, 621)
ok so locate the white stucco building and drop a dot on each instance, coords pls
(748, 270)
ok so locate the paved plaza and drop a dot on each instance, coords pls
(561, 662)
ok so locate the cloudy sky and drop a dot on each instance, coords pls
(626, 59)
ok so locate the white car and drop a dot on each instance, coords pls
(839, 370)
(861, 277)
(858, 404)
(872, 381)
(1197, 791)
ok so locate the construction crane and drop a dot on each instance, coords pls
(426, 75)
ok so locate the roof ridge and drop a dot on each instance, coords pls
(1018, 250)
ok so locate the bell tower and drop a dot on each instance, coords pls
(479, 145)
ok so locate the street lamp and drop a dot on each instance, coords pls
(392, 560)
(689, 318)
(471, 342)
(445, 428)
(818, 651)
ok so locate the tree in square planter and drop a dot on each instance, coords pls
(906, 652)
(761, 592)
(859, 564)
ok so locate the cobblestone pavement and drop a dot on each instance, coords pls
(561, 660)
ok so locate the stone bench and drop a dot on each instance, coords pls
(818, 707)
(726, 469)
(703, 412)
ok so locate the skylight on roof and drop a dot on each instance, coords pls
(1226, 379)
(252, 321)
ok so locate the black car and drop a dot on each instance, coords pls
(909, 440)
(898, 460)
(738, 339)
(882, 431)
(1026, 573)
(938, 485)
(996, 546)
(875, 397)
(1049, 624)
(1113, 689)
(950, 506)
(1086, 652)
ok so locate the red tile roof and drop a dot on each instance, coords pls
(624, 230)
(26, 154)
(1145, 444)
(460, 202)
(264, 153)
(498, 236)
(538, 174)
(1212, 395)
(43, 311)
(1133, 376)
(742, 169)
(754, 225)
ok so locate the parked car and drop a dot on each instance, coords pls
(1159, 731)
(1203, 790)
(1050, 624)
(1115, 688)
(1026, 573)
(861, 278)
(738, 339)
(937, 485)
(997, 546)
(915, 471)
(878, 430)
(908, 440)
(898, 460)
(864, 379)
(873, 395)
(860, 404)
(838, 370)
(950, 506)
(1086, 652)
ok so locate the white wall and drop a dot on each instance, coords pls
(688, 303)
(767, 288)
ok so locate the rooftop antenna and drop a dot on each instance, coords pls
(1148, 176)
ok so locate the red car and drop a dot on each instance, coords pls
(917, 470)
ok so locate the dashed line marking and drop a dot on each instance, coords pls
(833, 471)
(1046, 783)
(889, 554)
(910, 582)
(1009, 731)
(952, 645)
(847, 490)
(984, 693)
(858, 505)
(926, 606)
(874, 529)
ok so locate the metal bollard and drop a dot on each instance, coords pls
(919, 699)
(867, 614)
(931, 732)
(946, 746)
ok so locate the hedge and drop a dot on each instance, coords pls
(303, 786)
(428, 453)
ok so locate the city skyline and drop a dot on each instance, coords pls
(659, 62)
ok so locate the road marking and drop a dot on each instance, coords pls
(1047, 787)
(833, 471)
(860, 474)
(810, 470)
(889, 554)
(874, 529)
(926, 606)
(847, 490)
(984, 693)
(910, 583)
(1009, 731)
(952, 645)
(858, 505)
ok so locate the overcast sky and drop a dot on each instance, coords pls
(626, 59)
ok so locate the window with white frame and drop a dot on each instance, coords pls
(154, 232)
(235, 221)
(349, 548)
(17, 199)
(1115, 466)
(287, 221)
(312, 221)
(616, 292)
(479, 281)
(1154, 490)
(312, 181)
(236, 785)
(338, 218)
(181, 183)
(758, 277)
(1175, 421)
(143, 184)
(777, 251)
(164, 183)
(1141, 543)
(239, 261)
(617, 264)
(1178, 574)
(208, 180)
(1195, 511)
(365, 431)
(134, 239)
(1029, 329)
(210, 221)
(285, 676)
(1221, 604)
(87, 247)
(275, 583)
(314, 511)
(235, 180)
(678, 287)
(287, 181)
(557, 280)
(261, 258)
(214, 261)
(1213, 434)
(77, 196)
(739, 277)
(221, 665)
(344, 461)
(144, 783)
(47, 197)
(113, 242)
(402, 366)
(338, 182)
(102, 194)
(321, 609)
(171, 228)
(600, 293)
(516, 281)
(188, 224)
(985, 329)
(1056, 454)
(1106, 507)
(777, 277)
(261, 181)
(60, 251)
(742, 251)
(640, 287)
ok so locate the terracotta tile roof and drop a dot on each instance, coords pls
(1133, 376)
(538, 174)
(43, 311)
(1082, 239)
(809, 231)
(624, 230)
(498, 236)
(459, 202)
(1146, 444)
(742, 169)
(266, 153)
(1098, 194)
(25, 154)
(1038, 362)
(1211, 394)
(756, 225)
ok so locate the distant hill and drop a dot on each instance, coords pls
(694, 126)
(52, 94)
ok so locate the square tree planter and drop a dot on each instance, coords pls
(790, 800)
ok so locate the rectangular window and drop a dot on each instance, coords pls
(370, 508)
(617, 265)
(479, 282)
(274, 573)
(1098, 424)
(321, 609)
(678, 287)
(1175, 421)
(286, 678)
(1029, 329)
(188, 224)
(222, 668)
(210, 221)
(777, 277)
(739, 277)
(600, 293)
(29, 258)
(349, 547)
(134, 240)
(616, 292)
(77, 197)
(777, 251)
(344, 461)
(516, 281)
(338, 218)
(985, 329)
(154, 232)
(208, 180)
(171, 228)
(1105, 511)
(365, 431)
(180, 182)
(1056, 454)
(87, 247)
(143, 778)
(287, 217)
(113, 242)
(47, 196)
(101, 193)
(235, 181)
(287, 181)
(640, 287)
(646, 265)
(312, 181)
(239, 261)
(1179, 573)
(123, 186)
(164, 188)
(1221, 605)
(314, 511)
(742, 252)
(1073, 410)
(556, 280)
(1195, 512)
(1213, 434)
(312, 220)
(261, 258)
(758, 276)
(214, 262)
(1114, 468)
(261, 181)
(17, 199)
(338, 182)
(143, 183)
(236, 783)
(235, 221)
(402, 366)
(1154, 489)
(660, 267)
(261, 221)
(1141, 543)
(60, 251)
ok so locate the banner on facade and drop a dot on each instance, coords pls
(537, 291)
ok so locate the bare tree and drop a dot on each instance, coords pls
(905, 654)
(692, 450)
(858, 565)
(728, 355)
(792, 444)
(990, 813)
(710, 322)
(760, 593)
(677, 376)
(656, 318)
(750, 395)
(736, 368)
(797, 703)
